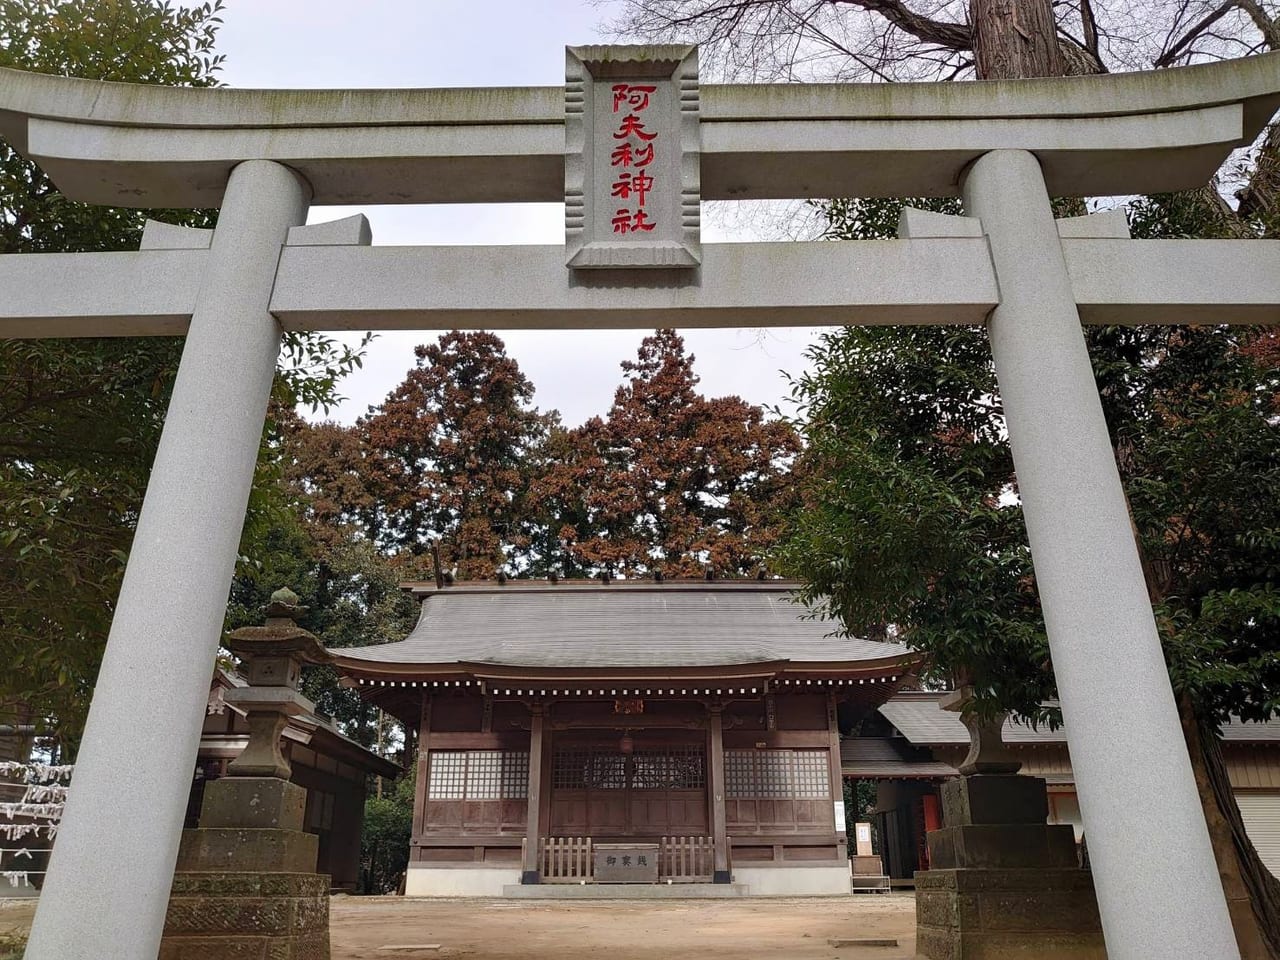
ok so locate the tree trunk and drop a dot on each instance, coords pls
(1260, 198)
(1253, 894)
(1014, 39)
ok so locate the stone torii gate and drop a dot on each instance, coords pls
(265, 156)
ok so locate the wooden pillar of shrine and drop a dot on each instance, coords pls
(544, 781)
(537, 773)
(715, 789)
(837, 777)
(424, 764)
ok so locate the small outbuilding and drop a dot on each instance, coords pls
(911, 745)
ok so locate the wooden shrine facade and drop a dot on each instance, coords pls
(631, 732)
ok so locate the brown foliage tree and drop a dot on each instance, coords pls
(444, 457)
(323, 467)
(670, 480)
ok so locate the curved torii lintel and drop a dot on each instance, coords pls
(150, 146)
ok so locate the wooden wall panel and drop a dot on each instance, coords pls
(802, 712)
(1253, 766)
(457, 714)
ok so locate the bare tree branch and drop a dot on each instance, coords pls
(1201, 28)
(1266, 26)
(953, 36)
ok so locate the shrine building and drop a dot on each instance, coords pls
(592, 732)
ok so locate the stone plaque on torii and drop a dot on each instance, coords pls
(264, 157)
(631, 172)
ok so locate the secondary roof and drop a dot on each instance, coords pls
(920, 719)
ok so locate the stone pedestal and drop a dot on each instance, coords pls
(1003, 884)
(246, 886)
(247, 916)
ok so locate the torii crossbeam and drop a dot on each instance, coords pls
(265, 156)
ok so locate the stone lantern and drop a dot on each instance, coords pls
(272, 657)
(246, 883)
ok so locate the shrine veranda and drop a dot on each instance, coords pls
(265, 157)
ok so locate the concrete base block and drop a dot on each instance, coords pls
(258, 802)
(18, 890)
(1007, 914)
(423, 881)
(247, 916)
(1001, 845)
(247, 849)
(798, 881)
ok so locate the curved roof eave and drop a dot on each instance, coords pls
(492, 671)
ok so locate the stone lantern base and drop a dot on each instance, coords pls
(247, 916)
(246, 886)
(1003, 884)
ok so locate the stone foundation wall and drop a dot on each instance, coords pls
(1007, 914)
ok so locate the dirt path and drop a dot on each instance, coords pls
(782, 929)
(16, 916)
(794, 929)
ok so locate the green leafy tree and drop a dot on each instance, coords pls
(384, 843)
(911, 516)
(80, 419)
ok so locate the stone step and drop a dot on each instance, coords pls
(625, 891)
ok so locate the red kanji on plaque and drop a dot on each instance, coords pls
(626, 155)
(633, 95)
(636, 153)
(624, 221)
(628, 184)
(632, 127)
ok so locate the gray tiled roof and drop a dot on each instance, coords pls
(918, 717)
(886, 758)
(622, 625)
(891, 758)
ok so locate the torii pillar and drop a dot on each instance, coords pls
(1158, 888)
(165, 632)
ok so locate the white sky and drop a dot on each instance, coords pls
(449, 43)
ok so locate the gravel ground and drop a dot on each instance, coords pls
(791, 929)
(363, 928)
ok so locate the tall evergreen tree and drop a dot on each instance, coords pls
(443, 459)
(670, 480)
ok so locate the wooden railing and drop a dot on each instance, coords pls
(686, 859)
(565, 860)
